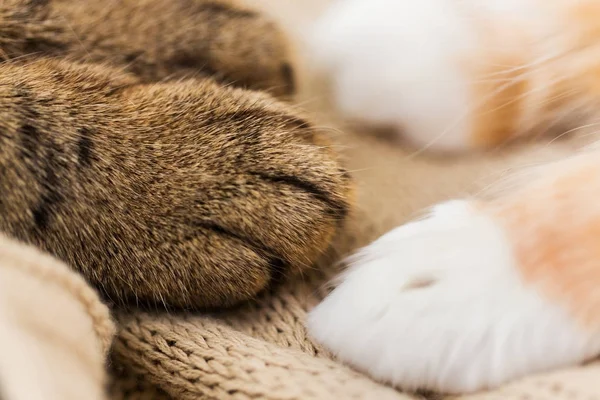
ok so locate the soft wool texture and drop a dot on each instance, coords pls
(262, 351)
(55, 332)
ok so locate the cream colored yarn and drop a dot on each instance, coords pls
(54, 331)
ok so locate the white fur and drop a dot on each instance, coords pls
(407, 64)
(395, 63)
(475, 326)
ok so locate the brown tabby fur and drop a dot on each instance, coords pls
(160, 189)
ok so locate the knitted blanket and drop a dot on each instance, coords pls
(55, 330)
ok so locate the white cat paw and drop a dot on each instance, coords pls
(439, 304)
(399, 64)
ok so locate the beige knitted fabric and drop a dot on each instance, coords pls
(54, 331)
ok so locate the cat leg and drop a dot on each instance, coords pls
(478, 292)
(155, 39)
(187, 194)
(446, 76)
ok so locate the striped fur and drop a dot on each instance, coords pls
(132, 149)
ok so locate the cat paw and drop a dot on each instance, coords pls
(240, 46)
(169, 40)
(397, 64)
(256, 195)
(201, 196)
(439, 304)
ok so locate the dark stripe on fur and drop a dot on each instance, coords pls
(214, 7)
(277, 265)
(337, 210)
(288, 76)
(222, 231)
(199, 65)
(30, 140)
(277, 270)
(51, 196)
(38, 3)
(85, 148)
(255, 115)
(45, 210)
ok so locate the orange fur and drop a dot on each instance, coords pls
(580, 65)
(514, 94)
(497, 118)
(582, 19)
(498, 92)
(554, 226)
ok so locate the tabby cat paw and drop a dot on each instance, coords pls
(185, 194)
(440, 304)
